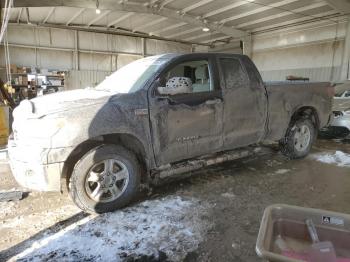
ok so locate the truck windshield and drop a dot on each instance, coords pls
(133, 76)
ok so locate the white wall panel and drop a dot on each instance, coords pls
(315, 34)
(21, 35)
(123, 60)
(62, 38)
(92, 61)
(20, 56)
(93, 41)
(106, 52)
(62, 60)
(155, 47)
(314, 52)
(84, 78)
(127, 44)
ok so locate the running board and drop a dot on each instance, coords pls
(194, 164)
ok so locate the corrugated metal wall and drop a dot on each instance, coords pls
(89, 57)
(315, 53)
(315, 74)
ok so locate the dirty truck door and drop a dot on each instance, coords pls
(186, 110)
(245, 102)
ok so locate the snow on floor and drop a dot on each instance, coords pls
(282, 171)
(338, 158)
(171, 226)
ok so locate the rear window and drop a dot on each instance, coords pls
(233, 73)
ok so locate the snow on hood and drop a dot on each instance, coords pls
(341, 104)
(169, 227)
(61, 101)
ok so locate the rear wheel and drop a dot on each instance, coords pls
(299, 139)
(104, 179)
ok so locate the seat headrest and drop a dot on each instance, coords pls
(201, 72)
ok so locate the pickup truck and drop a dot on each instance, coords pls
(157, 117)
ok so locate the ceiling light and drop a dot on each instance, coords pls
(98, 11)
(205, 29)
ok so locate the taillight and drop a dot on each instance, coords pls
(331, 91)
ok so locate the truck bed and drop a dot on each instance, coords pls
(286, 97)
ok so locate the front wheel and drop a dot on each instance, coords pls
(104, 179)
(299, 138)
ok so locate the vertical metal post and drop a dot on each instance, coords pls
(247, 45)
(143, 43)
(76, 49)
(344, 73)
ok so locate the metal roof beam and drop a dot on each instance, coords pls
(258, 10)
(197, 36)
(168, 28)
(216, 39)
(28, 16)
(19, 15)
(154, 22)
(196, 5)
(137, 8)
(49, 14)
(184, 32)
(226, 8)
(294, 21)
(119, 19)
(165, 2)
(98, 18)
(279, 15)
(342, 6)
(75, 16)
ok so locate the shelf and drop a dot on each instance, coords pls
(20, 74)
(19, 86)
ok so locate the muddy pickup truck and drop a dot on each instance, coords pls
(158, 117)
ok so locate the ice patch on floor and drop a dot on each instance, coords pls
(228, 195)
(171, 226)
(338, 158)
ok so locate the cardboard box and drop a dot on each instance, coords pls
(22, 70)
(23, 80)
(13, 69)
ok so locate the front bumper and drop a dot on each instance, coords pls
(341, 120)
(31, 169)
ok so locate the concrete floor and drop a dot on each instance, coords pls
(237, 193)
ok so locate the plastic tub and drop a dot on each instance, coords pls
(283, 235)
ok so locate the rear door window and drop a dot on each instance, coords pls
(233, 74)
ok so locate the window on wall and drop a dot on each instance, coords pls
(188, 77)
(233, 73)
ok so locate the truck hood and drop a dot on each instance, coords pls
(59, 102)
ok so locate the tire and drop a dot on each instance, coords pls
(105, 179)
(299, 139)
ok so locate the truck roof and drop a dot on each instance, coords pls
(173, 55)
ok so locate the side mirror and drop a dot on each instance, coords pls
(176, 85)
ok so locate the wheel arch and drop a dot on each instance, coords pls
(306, 112)
(129, 141)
